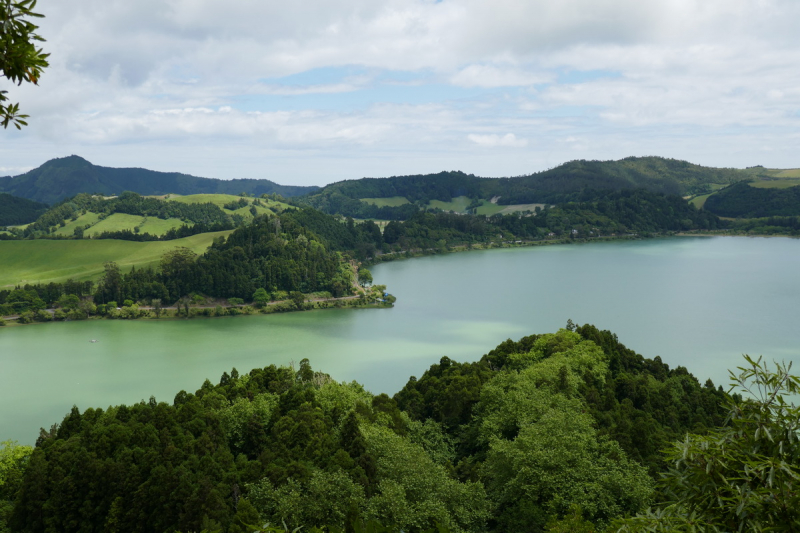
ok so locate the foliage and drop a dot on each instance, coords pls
(16, 210)
(542, 444)
(13, 462)
(768, 226)
(20, 60)
(744, 475)
(743, 201)
(558, 185)
(196, 217)
(364, 277)
(530, 438)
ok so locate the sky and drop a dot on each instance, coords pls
(309, 92)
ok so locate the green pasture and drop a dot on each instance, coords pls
(788, 173)
(458, 204)
(216, 199)
(488, 208)
(776, 184)
(700, 201)
(87, 218)
(44, 260)
(115, 222)
(159, 226)
(394, 201)
(221, 199)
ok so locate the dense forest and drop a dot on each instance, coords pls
(743, 201)
(67, 176)
(554, 432)
(564, 183)
(16, 210)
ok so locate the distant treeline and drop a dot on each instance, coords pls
(768, 226)
(564, 183)
(170, 235)
(621, 212)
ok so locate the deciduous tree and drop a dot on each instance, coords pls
(20, 59)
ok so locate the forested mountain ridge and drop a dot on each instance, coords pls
(65, 177)
(515, 442)
(563, 183)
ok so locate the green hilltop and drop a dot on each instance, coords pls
(65, 177)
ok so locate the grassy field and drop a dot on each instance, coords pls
(458, 204)
(158, 226)
(222, 199)
(776, 184)
(488, 208)
(700, 201)
(394, 201)
(115, 222)
(787, 173)
(216, 199)
(43, 261)
(83, 220)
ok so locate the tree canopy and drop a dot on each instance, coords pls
(20, 59)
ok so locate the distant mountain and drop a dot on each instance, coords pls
(573, 181)
(15, 210)
(563, 183)
(65, 177)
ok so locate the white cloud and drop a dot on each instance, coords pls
(491, 76)
(493, 140)
(187, 77)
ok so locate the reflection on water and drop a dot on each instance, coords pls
(696, 302)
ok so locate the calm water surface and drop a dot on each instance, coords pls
(696, 302)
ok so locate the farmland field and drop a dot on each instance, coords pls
(115, 222)
(488, 209)
(87, 218)
(776, 184)
(158, 226)
(43, 261)
(221, 199)
(699, 201)
(458, 204)
(788, 173)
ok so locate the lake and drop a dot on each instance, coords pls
(699, 302)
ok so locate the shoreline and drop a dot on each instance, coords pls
(213, 311)
(359, 301)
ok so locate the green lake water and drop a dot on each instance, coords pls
(697, 302)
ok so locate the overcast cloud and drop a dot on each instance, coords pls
(310, 92)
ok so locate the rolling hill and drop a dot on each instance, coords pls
(65, 177)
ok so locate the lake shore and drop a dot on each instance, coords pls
(359, 301)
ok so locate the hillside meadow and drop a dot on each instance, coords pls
(45, 260)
